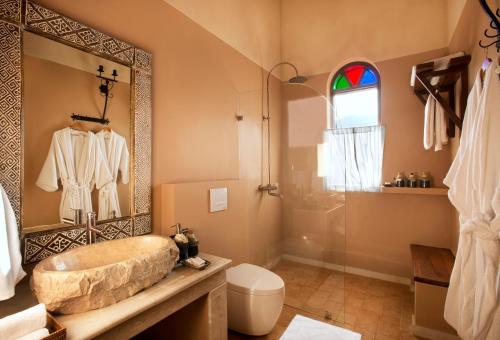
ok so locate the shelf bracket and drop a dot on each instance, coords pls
(437, 96)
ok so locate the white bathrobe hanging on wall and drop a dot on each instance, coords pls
(472, 303)
(76, 159)
(116, 156)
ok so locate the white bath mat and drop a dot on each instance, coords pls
(302, 328)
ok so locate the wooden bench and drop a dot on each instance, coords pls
(431, 274)
(432, 265)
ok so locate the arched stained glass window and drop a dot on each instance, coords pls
(355, 95)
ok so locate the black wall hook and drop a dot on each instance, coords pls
(494, 23)
(494, 18)
(105, 89)
(486, 33)
(489, 45)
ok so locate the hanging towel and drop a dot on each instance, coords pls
(20, 324)
(439, 127)
(11, 271)
(429, 114)
(36, 335)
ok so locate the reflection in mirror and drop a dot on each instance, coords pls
(73, 167)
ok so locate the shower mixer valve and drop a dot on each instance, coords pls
(271, 189)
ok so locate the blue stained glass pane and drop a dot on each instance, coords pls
(369, 78)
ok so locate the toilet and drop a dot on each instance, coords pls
(255, 298)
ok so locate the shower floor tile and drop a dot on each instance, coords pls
(377, 309)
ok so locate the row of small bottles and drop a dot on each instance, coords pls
(412, 181)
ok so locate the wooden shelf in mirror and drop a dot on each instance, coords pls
(415, 191)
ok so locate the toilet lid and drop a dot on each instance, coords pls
(250, 279)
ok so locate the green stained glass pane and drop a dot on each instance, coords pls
(341, 83)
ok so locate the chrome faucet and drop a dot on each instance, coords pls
(77, 219)
(91, 229)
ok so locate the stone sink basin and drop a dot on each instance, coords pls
(101, 274)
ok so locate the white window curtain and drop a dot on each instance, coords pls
(351, 159)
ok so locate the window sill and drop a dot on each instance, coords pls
(415, 191)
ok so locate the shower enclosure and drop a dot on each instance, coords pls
(313, 236)
(266, 117)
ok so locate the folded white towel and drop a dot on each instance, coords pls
(439, 64)
(429, 113)
(36, 335)
(17, 325)
(440, 128)
(11, 271)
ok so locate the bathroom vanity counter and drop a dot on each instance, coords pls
(205, 290)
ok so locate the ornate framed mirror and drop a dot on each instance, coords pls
(49, 71)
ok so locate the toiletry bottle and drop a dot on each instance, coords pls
(412, 181)
(399, 180)
(425, 180)
(181, 241)
(193, 243)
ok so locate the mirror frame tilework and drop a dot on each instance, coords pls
(17, 16)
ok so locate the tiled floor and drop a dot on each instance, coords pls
(376, 309)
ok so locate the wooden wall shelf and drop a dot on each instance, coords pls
(448, 77)
(415, 191)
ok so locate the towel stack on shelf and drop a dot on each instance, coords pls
(29, 324)
(439, 64)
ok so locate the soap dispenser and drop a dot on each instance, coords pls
(193, 242)
(181, 241)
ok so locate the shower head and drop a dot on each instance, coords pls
(297, 80)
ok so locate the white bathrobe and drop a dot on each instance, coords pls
(76, 159)
(472, 303)
(11, 271)
(116, 158)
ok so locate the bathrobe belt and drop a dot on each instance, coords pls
(486, 232)
(108, 196)
(74, 190)
(480, 226)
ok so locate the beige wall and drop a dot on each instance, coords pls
(454, 10)
(235, 233)
(197, 82)
(318, 35)
(378, 227)
(52, 92)
(250, 27)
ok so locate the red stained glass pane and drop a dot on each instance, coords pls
(353, 73)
